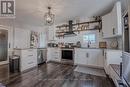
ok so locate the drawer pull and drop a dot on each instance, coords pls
(30, 55)
(30, 50)
(56, 58)
(30, 62)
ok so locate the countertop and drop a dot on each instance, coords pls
(90, 48)
(27, 48)
(85, 48)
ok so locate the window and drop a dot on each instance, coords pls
(42, 40)
(89, 38)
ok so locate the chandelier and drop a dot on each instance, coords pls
(49, 17)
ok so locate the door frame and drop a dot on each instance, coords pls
(5, 28)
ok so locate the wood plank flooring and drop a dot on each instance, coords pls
(54, 75)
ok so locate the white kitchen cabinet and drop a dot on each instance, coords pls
(28, 58)
(112, 23)
(21, 38)
(81, 56)
(100, 57)
(54, 54)
(116, 20)
(106, 25)
(90, 57)
(111, 57)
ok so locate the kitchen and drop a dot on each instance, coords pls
(73, 46)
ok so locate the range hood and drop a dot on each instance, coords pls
(70, 33)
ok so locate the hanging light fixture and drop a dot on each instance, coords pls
(49, 17)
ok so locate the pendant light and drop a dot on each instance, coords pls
(49, 17)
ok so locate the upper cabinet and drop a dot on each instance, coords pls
(112, 22)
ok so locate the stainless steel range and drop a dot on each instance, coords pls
(67, 55)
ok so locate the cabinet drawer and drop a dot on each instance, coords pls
(28, 63)
(29, 52)
(56, 58)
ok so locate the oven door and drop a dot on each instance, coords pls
(67, 54)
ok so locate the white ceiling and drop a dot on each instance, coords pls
(31, 12)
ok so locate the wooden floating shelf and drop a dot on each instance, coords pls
(60, 33)
(85, 30)
(75, 31)
(66, 25)
(78, 30)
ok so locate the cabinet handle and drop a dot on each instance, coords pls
(105, 55)
(102, 34)
(9, 45)
(87, 55)
(56, 58)
(30, 50)
(30, 62)
(113, 31)
(30, 55)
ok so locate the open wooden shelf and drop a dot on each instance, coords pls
(63, 31)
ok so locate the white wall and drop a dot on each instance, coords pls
(10, 25)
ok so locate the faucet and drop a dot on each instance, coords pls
(89, 42)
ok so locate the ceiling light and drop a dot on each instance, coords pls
(49, 17)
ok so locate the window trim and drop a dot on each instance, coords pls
(91, 41)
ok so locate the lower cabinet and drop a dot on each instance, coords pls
(28, 58)
(91, 57)
(111, 57)
(54, 54)
(81, 56)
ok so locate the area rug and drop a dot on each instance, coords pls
(92, 71)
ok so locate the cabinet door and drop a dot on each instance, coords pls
(56, 54)
(95, 58)
(114, 56)
(100, 58)
(28, 59)
(112, 22)
(81, 57)
(106, 25)
(116, 20)
(92, 59)
(53, 54)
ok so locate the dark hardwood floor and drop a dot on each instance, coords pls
(52, 75)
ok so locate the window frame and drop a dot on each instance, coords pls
(86, 41)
